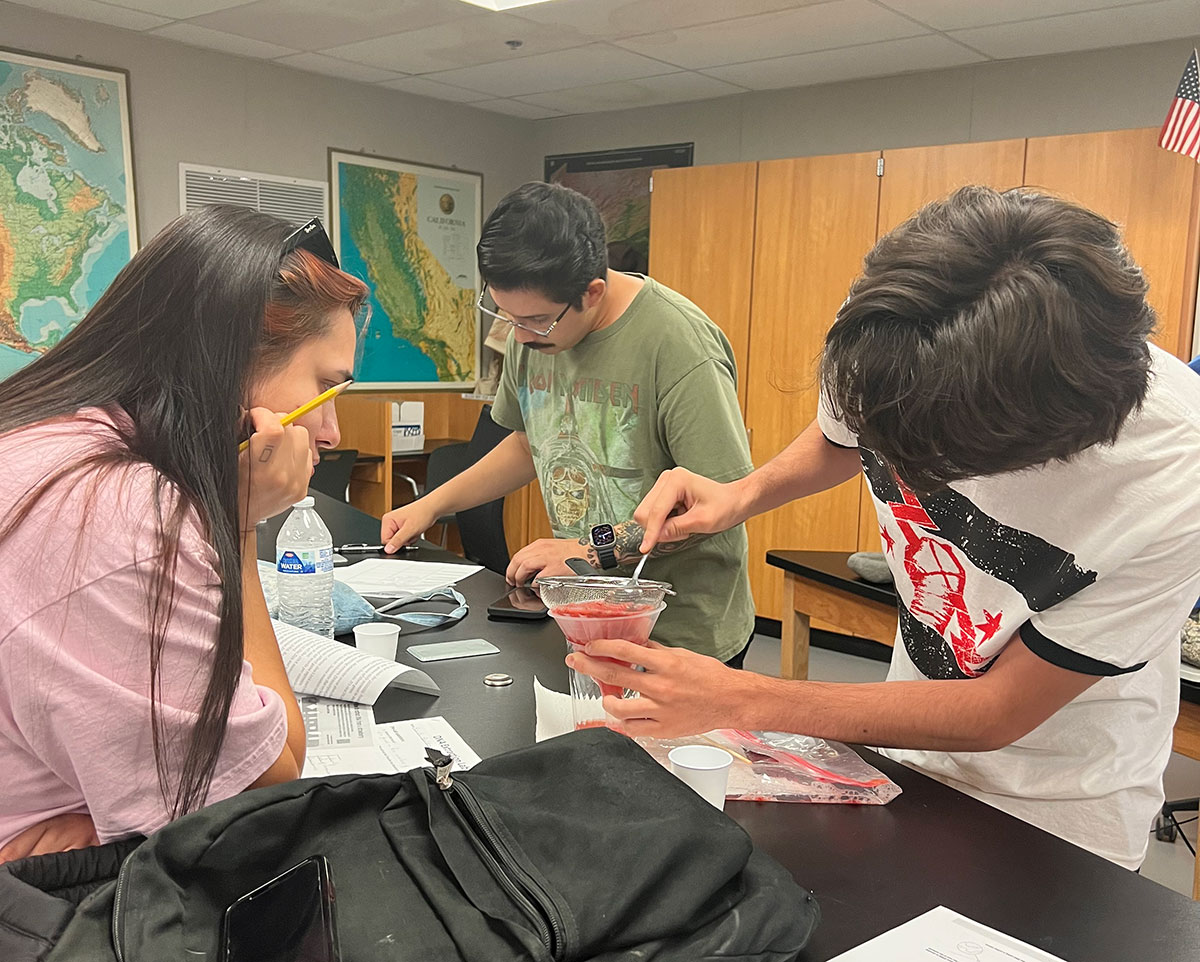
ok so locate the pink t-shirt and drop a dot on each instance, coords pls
(75, 723)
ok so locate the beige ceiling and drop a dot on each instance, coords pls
(578, 56)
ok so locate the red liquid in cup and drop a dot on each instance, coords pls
(588, 621)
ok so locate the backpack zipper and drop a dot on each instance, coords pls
(117, 926)
(535, 901)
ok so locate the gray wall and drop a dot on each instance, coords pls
(204, 107)
(1067, 93)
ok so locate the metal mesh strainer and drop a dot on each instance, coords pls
(570, 590)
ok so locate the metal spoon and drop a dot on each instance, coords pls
(638, 570)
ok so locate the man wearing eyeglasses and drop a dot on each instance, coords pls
(609, 379)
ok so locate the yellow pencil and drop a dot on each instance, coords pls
(303, 409)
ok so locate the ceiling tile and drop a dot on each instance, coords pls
(178, 9)
(466, 42)
(318, 63)
(930, 52)
(592, 64)
(611, 19)
(217, 40)
(431, 88)
(98, 13)
(625, 94)
(1143, 23)
(839, 23)
(955, 14)
(514, 108)
(319, 24)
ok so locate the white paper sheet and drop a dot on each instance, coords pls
(389, 578)
(321, 666)
(403, 743)
(342, 740)
(942, 935)
(340, 737)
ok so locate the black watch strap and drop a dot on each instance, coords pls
(606, 555)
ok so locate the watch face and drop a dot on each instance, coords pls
(603, 535)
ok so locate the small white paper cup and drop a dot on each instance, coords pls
(377, 638)
(704, 768)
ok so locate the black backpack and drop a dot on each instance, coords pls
(579, 848)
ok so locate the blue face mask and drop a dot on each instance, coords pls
(423, 620)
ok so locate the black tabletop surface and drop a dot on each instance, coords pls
(829, 568)
(870, 867)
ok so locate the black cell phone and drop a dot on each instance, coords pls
(291, 918)
(521, 602)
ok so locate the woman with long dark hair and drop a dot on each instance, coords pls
(139, 674)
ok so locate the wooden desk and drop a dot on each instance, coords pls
(817, 584)
(871, 867)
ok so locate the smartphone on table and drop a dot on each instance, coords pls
(522, 602)
(291, 918)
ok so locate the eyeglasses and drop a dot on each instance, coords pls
(312, 238)
(509, 320)
(427, 619)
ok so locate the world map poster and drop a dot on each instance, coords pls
(410, 232)
(67, 219)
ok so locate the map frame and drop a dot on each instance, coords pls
(119, 76)
(472, 180)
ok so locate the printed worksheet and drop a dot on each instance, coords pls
(317, 665)
(343, 739)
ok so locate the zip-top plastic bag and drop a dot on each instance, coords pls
(784, 767)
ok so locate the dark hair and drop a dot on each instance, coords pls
(990, 332)
(175, 342)
(545, 238)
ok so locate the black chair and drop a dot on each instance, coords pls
(482, 528)
(332, 475)
(445, 463)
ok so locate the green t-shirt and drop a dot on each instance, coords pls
(655, 389)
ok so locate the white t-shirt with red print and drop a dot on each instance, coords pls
(1093, 564)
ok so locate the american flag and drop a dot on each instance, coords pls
(1181, 130)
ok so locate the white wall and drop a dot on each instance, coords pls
(204, 107)
(1066, 93)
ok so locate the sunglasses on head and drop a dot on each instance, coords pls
(312, 238)
(427, 619)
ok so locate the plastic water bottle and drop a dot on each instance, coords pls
(304, 570)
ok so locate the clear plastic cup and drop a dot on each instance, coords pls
(591, 608)
(585, 622)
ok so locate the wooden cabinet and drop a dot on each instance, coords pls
(1151, 193)
(815, 220)
(702, 245)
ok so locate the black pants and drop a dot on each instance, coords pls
(739, 660)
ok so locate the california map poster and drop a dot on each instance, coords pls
(67, 219)
(410, 232)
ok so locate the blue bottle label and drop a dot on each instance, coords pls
(307, 561)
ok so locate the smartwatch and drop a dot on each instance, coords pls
(603, 538)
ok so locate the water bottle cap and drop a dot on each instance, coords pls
(305, 502)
